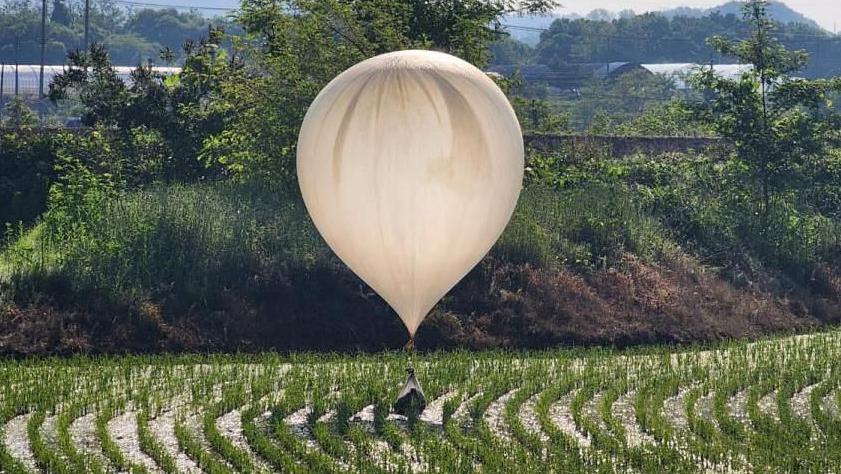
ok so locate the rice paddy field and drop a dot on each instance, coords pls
(769, 406)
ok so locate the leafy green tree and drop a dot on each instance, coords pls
(92, 76)
(654, 38)
(166, 28)
(60, 13)
(538, 116)
(507, 50)
(780, 125)
(294, 47)
(16, 114)
(178, 110)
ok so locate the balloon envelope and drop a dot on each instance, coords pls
(410, 164)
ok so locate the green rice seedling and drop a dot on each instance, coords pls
(109, 446)
(204, 459)
(152, 446)
(504, 412)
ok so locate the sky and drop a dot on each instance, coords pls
(826, 12)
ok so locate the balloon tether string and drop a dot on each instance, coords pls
(410, 348)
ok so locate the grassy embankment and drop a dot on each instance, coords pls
(599, 251)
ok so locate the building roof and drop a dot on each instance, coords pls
(576, 74)
(680, 72)
(731, 71)
(613, 69)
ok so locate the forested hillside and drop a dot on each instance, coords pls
(778, 11)
(658, 38)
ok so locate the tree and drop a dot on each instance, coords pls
(626, 13)
(295, 47)
(507, 50)
(600, 14)
(653, 38)
(179, 110)
(130, 49)
(61, 14)
(781, 126)
(166, 28)
(17, 114)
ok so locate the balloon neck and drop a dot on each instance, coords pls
(410, 346)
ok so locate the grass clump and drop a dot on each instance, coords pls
(183, 242)
(591, 225)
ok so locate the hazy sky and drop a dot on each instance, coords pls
(826, 12)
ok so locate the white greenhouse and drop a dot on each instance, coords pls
(24, 79)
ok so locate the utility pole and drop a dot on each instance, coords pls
(2, 76)
(43, 46)
(17, 83)
(608, 58)
(87, 21)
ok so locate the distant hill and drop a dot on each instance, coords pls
(779, 11)
(527, 28)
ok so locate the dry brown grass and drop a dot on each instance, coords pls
(677, 300)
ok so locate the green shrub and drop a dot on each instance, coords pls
(26, 172)
(17, 114)
(589, 225)
(188, 242)
(711, 213)
(524, 241)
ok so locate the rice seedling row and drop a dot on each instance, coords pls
(770, 406)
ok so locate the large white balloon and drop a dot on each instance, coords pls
(410, 164)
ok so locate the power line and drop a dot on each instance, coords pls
(43, 46)
(185, 7)
(524, 28)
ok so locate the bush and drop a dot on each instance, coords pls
(711, 214)
(589, 210)
(17, 114)
(82, 165)
(26, 172)
(190, 243)
(590, 225)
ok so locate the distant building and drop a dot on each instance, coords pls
(566, 79)
(614, 69)
(575, 75)
(25, 77)
(680, 72)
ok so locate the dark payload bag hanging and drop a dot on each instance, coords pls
(411, 398)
